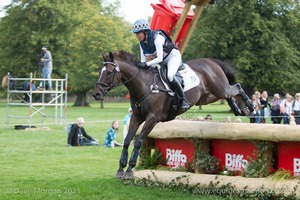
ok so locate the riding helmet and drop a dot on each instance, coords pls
(140, 25)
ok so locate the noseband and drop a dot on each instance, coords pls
(110, 86)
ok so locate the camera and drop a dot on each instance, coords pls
(39, 56)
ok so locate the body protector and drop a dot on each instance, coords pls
(149, 46)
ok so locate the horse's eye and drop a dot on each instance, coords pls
(109, 73)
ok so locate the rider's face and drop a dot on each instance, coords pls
(140, 35)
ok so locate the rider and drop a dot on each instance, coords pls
(157, 47)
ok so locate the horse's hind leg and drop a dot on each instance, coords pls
(234, 107)
(245, 97)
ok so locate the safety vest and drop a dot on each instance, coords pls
(149, 47)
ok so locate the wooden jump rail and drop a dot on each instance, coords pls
(231, 131)
(281, 135)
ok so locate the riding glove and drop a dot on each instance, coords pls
(141, 65)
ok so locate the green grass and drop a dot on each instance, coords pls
(39, 165)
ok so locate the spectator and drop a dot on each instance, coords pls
(208, 118)
(263, 104)
(296, 108)
(258, 114)
(286, 108)
(78, 136)
(238, 120)
(111, 134)
(125, 121)
(254, 116)
(275, 109)
(200, 118)
(228, 119)
(292, 120)
(47, 69)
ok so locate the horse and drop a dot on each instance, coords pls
(153, 106)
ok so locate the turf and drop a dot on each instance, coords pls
(39, 165)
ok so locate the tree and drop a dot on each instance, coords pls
(258, 37)
(76, 32)
(100, 34)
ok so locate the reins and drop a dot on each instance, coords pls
(153, 88)
(116, 70)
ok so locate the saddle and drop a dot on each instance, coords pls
(185, 75)
(164, 71)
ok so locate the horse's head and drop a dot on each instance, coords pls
(108, 77)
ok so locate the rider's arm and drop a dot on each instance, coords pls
(143, 57)
(159, 42)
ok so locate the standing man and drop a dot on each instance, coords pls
(47, 69)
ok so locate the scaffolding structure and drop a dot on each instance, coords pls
(38, 100)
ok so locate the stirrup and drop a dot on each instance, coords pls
(184, 105)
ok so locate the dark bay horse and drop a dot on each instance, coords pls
(216, 82)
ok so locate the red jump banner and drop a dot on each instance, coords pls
(178, 152)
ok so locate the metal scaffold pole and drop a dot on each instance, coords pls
(40, 102)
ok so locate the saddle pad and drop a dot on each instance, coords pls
(190, 79)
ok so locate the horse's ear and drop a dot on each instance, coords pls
(105, 57)
(111, 56)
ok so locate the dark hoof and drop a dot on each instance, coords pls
(246, 112)
(251, 108)
(128, 175)
(249, 105)
(120, 174)
(237, 112)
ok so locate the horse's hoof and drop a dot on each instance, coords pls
(237, 112)
(128, 175)
(246, 112)
(120, 174)
(250, 106)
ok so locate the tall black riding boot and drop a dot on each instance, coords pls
(179, 91)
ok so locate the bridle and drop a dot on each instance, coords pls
(115, 73)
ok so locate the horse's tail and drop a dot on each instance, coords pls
(228, 69)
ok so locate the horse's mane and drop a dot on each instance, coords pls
(125, 57)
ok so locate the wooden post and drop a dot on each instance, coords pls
(199, 8)
(176, 30)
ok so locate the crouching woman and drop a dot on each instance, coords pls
(111, 134)
(78, 137)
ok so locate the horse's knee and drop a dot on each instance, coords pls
(126, 143)
(137, 143)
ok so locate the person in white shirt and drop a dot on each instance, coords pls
(296, 108)
(286, 108)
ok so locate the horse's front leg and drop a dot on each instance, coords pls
(133, 127)
(148, 126)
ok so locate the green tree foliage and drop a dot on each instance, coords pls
(261, 38)
(76, 32)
